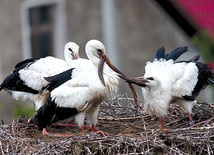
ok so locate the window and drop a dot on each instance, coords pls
(41, 31)
(43, 28)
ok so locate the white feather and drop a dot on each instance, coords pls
(185, 77)
(157, 94)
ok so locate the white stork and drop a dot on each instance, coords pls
(82, 94)
(168, 82)
(27, 81)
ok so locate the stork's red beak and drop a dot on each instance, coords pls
(137, 81)
(104, 58)
(76, 56)
(140, 81)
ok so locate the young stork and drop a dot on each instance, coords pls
(82, 94)
(168, 82)
(27, 80)
(161, 76)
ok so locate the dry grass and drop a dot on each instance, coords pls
(130, 132)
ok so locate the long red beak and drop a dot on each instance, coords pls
(141, 82)
(138, 81)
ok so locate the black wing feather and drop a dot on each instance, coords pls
(13, 80)
(195, 58)
(25, 63)
(160, 53)
(175, 54)
(58, 79)
(50, 113)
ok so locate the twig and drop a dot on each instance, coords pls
(205, 109)
(2, 151)
(206, 121)
(13, 126)
(192, 128)
(144, 126)
(136, 126)
(117, 119)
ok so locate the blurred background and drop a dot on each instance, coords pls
(131, 30)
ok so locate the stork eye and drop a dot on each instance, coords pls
(99, 51)
(70, 50)
(150, 78)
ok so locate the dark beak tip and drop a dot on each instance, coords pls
(103, 83)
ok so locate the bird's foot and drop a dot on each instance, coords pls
(97, 131)
(104, 134)
(46, 133)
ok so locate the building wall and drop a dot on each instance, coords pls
(84, 22)
(10, 48)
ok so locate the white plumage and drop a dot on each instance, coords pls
(157, 92)
(27, 81)
(82, 94)
(184, 78)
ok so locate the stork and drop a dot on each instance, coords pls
(82, 94)
(167, 81)
(26, 82)
(173, 82)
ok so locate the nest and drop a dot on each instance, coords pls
(130, 132)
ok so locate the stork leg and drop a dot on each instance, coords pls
(83, 131)
(189, 116)
(94, 129)
(46, 133)
(162, 125)
(97, 131)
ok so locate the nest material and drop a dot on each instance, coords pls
(130, 132)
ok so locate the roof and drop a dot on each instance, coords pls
(202, 12)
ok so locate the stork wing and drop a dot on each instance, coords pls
(185, 77)
(33, 75)
(72, 97)
(25, 62)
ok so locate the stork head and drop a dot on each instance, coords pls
(149, 82)
(152, 82)
(96, 52)
(71, 51)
